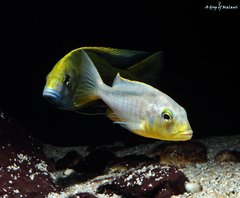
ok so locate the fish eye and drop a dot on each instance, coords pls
(167, 115)
(66, 79)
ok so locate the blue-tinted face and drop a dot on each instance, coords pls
(58, 95)
(52, 95)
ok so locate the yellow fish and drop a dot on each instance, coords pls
(63, 87)
(136, 106)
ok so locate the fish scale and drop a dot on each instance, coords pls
(126, 100)
(119, 102)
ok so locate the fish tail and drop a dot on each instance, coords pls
(89, 81)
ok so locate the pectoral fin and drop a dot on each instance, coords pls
(135, 127)
(96, 107)
(130, 123)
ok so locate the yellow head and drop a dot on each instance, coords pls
(61, 83)
(168, 125)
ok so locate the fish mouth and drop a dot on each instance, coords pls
(52, 95)
(187, 133)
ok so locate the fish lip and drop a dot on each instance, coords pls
(56, 98)
(51, 94)
(187, 133)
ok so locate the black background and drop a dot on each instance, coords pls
(201, 61)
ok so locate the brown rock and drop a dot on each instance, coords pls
(24, 170)
(228, 156)
(183, 153)
(147, 181)
(124, 163)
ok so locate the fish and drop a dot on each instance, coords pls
(136, 106)
(63, 82)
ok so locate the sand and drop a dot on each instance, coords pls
(213, 179)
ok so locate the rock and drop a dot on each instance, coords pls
(83, 195)
(68, 172)
(183, 153)
(83, 169)
(193, 187)
(95, 162)
(157, 151)
(164, 193)
(67, 178)
(124, 163)
(24, 171)
(148, 181)
(228, 156)
(69, 161)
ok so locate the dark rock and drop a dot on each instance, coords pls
(69, 161)
(69, 179)
(148, 181)
(157, 151)
(95, 162)
(228, 156)
(24, 171)
(83, 169)
(183, 153)
(164, 193)
(126, 162)
(83, 195)
(74, 178)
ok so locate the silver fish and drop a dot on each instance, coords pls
(136, 106)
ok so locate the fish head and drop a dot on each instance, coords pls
(171, 125)
(60, 85)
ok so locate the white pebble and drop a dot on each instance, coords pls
(193, 187)
(68, 172)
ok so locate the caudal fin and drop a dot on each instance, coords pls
(89, 82)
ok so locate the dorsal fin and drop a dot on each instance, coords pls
(149, 69)
(120, 58)
(120, 81)
(130, 85)
(117, 80)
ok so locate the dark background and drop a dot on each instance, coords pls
(201, 62)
